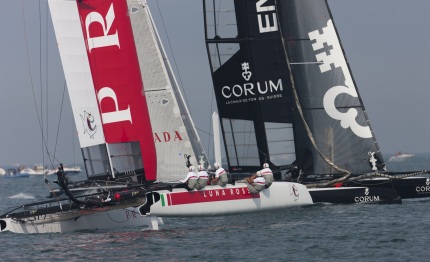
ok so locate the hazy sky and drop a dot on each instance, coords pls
(387, 43)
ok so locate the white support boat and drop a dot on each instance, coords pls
(37, 170)
(400, 157)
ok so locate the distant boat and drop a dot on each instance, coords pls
(2, 172)
(72, 170)
(13, 173)
(37, 170)
(400, 157)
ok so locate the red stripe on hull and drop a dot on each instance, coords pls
(115, 70)
(193, 197)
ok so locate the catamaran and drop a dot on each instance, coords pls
(286, 95)
(134, 130)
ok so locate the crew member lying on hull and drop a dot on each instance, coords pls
(265, 173)
(190, 179)
(221, 178)
(202, 178)
(255, 183)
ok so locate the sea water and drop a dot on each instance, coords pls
(323, 232)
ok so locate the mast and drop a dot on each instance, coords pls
(217, 138)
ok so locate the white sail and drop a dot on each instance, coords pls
(76, 66)
(102, 71)
(174, 132)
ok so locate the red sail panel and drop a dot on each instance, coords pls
(116, 75)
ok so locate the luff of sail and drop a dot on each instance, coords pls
(107, 54)
(175, 136)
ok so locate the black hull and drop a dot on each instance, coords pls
(355, 195)
(412, 187)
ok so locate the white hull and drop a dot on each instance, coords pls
(72, 170)
(109, 220)
(400, 157)
(231, 199)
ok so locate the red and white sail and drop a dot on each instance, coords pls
(102, 71)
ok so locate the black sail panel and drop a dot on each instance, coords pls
(329, 100)
(251, 84)
(281, 78)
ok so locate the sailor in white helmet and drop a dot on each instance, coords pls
(202, 178)
(255, 183)
(267, 174)
(221, 178)
(190, 179)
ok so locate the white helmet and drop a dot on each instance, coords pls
(217, 166)
(265, 165)
(200, 167)
(191, 169)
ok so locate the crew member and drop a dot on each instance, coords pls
(61, 176)
(267, 174)
(221, 178)
(190, 179)
(255, 183)
(202, 178)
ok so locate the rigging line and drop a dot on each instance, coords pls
(31, 76)
(59, 119)
(40, 79)
(299, 108)
(218, 14)
(173, 56)
(46, 72)
(208, 133)
(51, 190)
